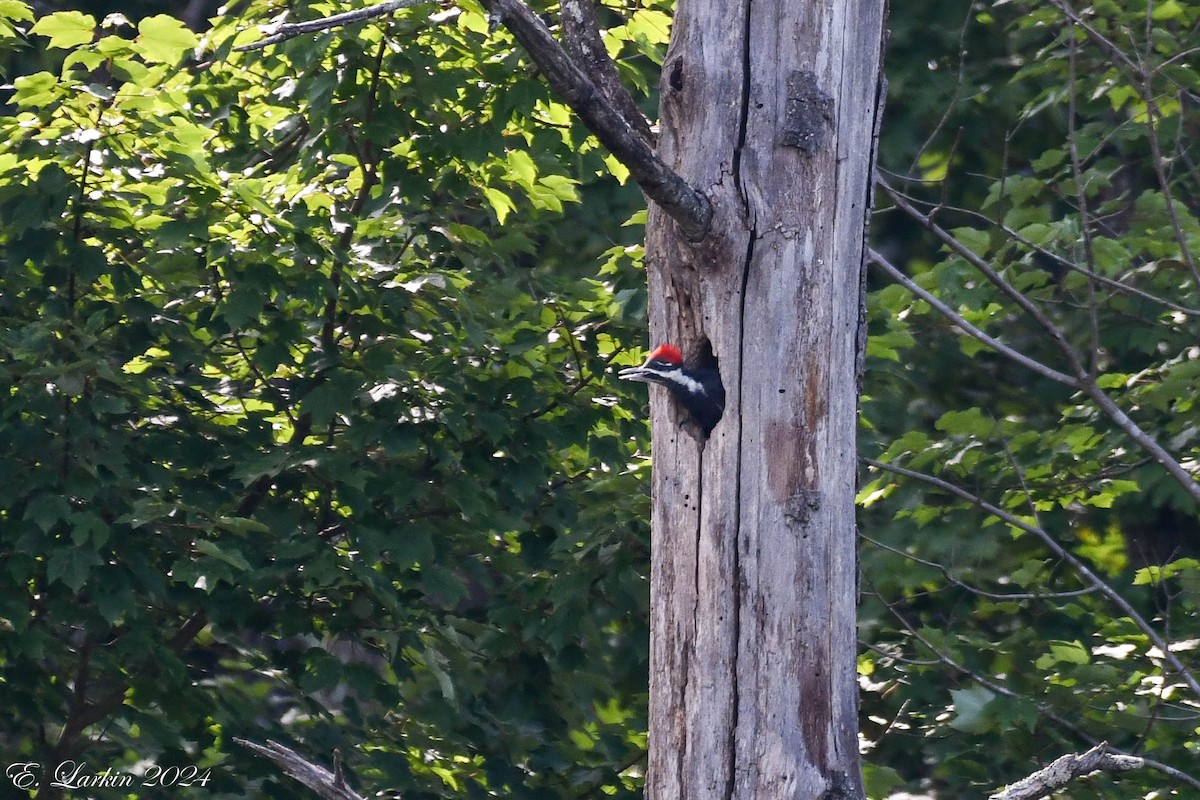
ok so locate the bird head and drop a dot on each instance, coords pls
(664, 362)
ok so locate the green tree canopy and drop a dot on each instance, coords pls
(307, 416)
(1030, 582)
(310, 430)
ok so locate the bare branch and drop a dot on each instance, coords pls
(1085, 229)
(1043, 709)
(957, 94)
(1063, 770)
(982, 680)
(975, 590)
(1143, 439)
(877, 259)
(1085, 381)
(1082, 569)
(1140, 79)
(1116, 53)
(1157, 159)
(294, 29)
(1026, 305)
(1065, 263)
(83, 714)
(329, 785)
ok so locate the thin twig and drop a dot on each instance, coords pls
(1083, 570)
(982, 266)
(1085, 380)
(1089, 254)
(957, 94)
(1048, 372)
(1065, 263)
(294, 29)
(942, 568)
(982, 680)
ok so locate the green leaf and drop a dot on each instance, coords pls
(1166, 10)
(16, 10)
(1113, 380)
(970, 707)
(442, 586)
(72, 566)
(1153, 574)
(164, 40)
(47, 510)
(521, 167)
(242, 525)
(889, 344)
(227, 555)
(1063, 653)
(969, 422)
(1037, 233)
(880, 780)
(977, 241)
(1049, 160)
(616, 169)
(66, 29)
(501, 203)
(37, 90)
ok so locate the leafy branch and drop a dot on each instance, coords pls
(1082, 570)
(1044, 781)
(1080, 376)
(594, 94)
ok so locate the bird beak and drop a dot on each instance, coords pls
(640, 374)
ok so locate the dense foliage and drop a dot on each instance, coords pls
(1055, 147)
(311, 432)
(302, 441)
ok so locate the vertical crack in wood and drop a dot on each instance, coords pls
(736, 558)
(736, 622)
(696, 544)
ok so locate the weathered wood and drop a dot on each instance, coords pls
(1065, 769)
(326, 784)
(584, 44)
(768, 107)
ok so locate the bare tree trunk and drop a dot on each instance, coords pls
(768, 107)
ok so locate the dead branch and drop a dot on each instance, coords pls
(581, 35)
(1063, 770)
(329, 785)
(293, 29)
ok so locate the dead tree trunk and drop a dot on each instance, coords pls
(769, 108)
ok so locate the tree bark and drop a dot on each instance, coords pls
(769, 107)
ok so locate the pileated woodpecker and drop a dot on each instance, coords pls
(698, 388)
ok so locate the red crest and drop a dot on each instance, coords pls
(667, 352)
